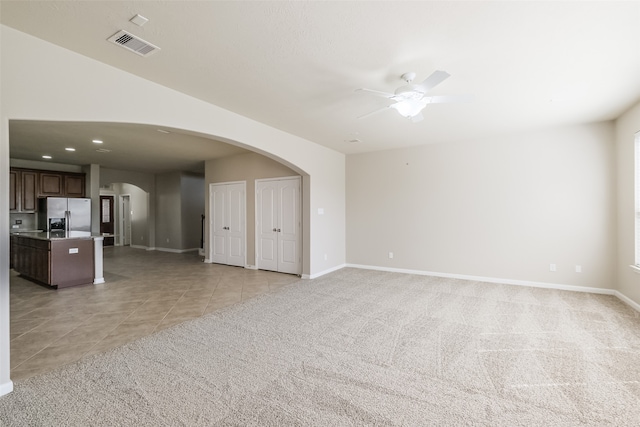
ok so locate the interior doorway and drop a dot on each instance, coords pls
(107, 220)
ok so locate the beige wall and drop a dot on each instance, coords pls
(168, 211)
(504, 209)
(626, 128)
(243, 167)
(192, 207)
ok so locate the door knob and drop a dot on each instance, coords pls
(278, 230)
(275, 229)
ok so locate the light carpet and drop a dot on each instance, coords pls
(361, 347)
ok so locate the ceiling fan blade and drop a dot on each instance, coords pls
(374, 112)
(433, 80)
(417, 118)
(377, 93)
(449, 99)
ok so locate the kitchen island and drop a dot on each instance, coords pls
(59, 259)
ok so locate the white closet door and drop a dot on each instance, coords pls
(227, 223)
(218, 199)
(278, 233)
(289, 229)
(236, 224)
(267, 225)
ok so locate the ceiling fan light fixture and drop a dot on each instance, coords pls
(409, 107)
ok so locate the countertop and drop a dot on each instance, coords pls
(56, 235)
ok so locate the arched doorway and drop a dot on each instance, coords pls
(124, 214)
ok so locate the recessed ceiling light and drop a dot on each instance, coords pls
(163, 131)
(103, 150)
(47, 157)
(97, 141)
(70, 149)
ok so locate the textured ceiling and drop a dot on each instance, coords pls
(296, 65)
(133, 147)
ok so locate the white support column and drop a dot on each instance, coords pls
(6, 385)
(98, 273)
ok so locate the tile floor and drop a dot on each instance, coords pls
(145, 291)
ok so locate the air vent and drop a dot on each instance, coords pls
(103, 150)
(133, 43)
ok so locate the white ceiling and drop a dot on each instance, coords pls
(296, 65)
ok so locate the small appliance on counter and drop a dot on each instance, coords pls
(61, 214)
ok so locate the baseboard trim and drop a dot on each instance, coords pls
(176, 251)
(6, 388)
(322, 273)
(146, 248)
(558, 286)
(491, 279)
(627, 300)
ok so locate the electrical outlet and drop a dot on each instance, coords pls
(325, 257)
(390, 255)
(552, 267)
(578, 269)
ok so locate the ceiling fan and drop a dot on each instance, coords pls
(411, 99)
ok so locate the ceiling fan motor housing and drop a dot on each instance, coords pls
(410, 92)
(408, 77)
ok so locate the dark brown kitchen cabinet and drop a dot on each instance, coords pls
(14, 191)
(61, 184)
(26, 185)
(73, 185)
(23, 190)
(51, 184)
(54, 262)
(31, 258)
(28, 191)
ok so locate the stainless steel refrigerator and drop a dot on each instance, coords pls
(64, 214)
